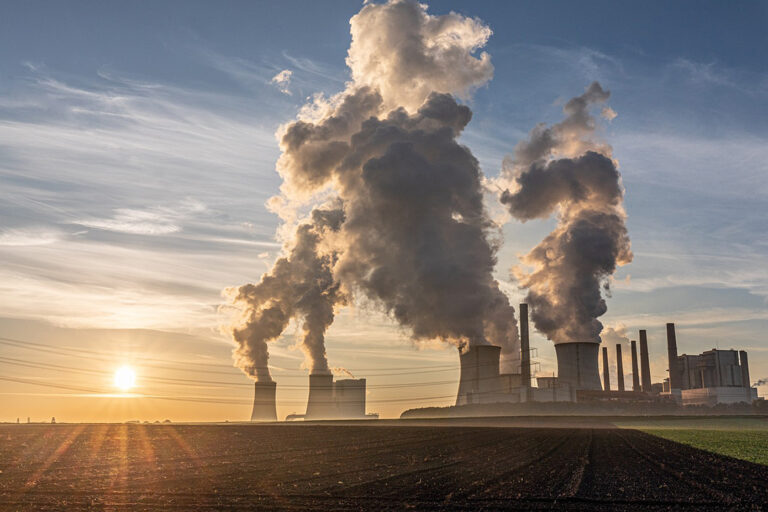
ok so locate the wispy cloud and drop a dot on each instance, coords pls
(129, 203)
(283, 80)
(152, 221)
(28, 237)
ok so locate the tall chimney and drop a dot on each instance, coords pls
(674, 372)
(619, 367)
(744, 363)
(645, 365)
(264, 408)
(525, 349)
(635, 371)
(606, 371)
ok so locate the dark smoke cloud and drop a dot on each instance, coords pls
(417, 231)
(416, 234)
(411, 233)
(562, 169)
(300, 285)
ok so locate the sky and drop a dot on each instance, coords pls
(138, 150)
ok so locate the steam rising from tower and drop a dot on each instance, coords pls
(563, 169)
(300, 285)
(403, 222)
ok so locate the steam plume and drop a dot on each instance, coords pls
(413, 235)
(563, 169)
(300, 285)
(615, 335)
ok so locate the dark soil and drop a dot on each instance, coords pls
(365, 467)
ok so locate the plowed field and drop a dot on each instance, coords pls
(343, 467)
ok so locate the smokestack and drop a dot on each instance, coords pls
(645, 365)
(479, 381)
(744, 369)
(264, 408)
(577, 365)
(525, 351)
(674, 373)
(635, 371)
(606, 371)
(320, 403)
(619, 367)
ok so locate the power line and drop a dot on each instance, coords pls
(90, 354)
(201, 399)
(167, 380)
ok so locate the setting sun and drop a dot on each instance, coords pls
(125, 378)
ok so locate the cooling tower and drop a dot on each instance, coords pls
(645, 365)
(264, 408)
(577, 365)
(479, 381)
(320, 403)
(635, 371)
(606, 371)
(350, 398)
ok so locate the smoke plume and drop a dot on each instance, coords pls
(563, 169)
(612, 336)
(413, 235)
(300, 285)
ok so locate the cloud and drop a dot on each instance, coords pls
(412, 236)
(28, 237)
(152, 221)
(155, 174)
(408, 54)
(282, 80)
(564, 169)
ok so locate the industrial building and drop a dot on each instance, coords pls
(716, 376)
(710, 378)
(481, 382)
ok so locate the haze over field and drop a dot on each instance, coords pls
(374, 186)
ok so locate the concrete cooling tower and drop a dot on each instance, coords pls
(343, 399)
(577, 365)
(264, 408)
(350, 397)
(479, 381)
(320, 403)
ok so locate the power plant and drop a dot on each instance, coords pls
(710, 378)
(715, 376)
(482, 383)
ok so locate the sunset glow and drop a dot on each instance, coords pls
(125, 378)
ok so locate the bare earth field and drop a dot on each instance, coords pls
(381, 466)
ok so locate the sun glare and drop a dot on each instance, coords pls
(125, 378)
